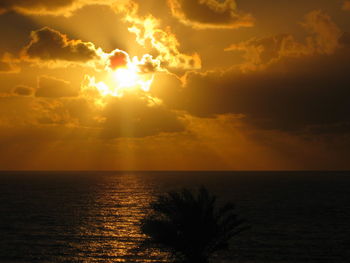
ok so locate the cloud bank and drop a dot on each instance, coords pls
(285, 85)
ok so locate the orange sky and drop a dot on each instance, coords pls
(174, 85)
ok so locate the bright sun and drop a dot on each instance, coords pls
(124, 75)
(122, 80)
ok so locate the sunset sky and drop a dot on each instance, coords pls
(174, 84)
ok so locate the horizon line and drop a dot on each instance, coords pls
(85, 170)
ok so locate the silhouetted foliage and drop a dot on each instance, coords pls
(190, 226)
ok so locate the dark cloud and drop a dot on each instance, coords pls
(132, 116)
(50, 87)
(21, 90)
(324, 38)
(292, 94)
(148, 64)
(50, 45)
(203, 14)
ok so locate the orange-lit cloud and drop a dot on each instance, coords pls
(325, 32)
(49, 7)
(49, 45)
(149, 33)
(50, 48)
(204, 14)
(119, 59)
(51, 87)
(260, 52)
(35, 6)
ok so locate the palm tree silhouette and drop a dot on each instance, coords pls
(190, 226)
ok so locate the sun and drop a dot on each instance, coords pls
(130, 78)
(122, 80)
(125, 77)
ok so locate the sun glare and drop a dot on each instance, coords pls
(125, 77)
(128, 78)
(122, 75)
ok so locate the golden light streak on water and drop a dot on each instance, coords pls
(115, 233)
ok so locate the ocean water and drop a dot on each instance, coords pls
(94, 216)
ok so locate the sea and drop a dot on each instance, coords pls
(95, 216)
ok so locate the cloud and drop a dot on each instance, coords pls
(69, 111)
(149, 34)
(22, 90)
(346, 6)
(47, 7)
(149, 65)
(324, 38)
(325, 32)
(205, 14)
(297, 90)
(130, 116)
(47, 44)
(261, 52)
(118, 58)
(135, 116)
(51, 87)
(36, 6)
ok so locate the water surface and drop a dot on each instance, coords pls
(94, 216)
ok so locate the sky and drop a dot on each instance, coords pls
(174, 85)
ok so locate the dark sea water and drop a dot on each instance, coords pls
(94, 216)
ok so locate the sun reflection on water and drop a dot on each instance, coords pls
(114, 234)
